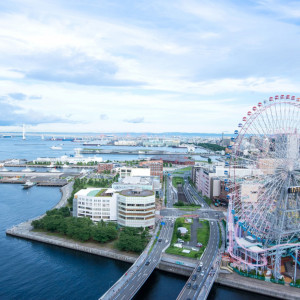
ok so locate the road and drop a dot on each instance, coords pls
(207, 259)
(173, 213)
(192, 195)
(172, 196)
(136, 280)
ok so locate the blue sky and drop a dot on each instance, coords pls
(143, 66)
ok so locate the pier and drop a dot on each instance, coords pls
(145, 152)
(40, 179)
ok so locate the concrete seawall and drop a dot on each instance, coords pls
(167, 264)
(230, 280)
(257, 286)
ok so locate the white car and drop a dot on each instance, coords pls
(201, 264)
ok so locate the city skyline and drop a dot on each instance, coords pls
(126, 66)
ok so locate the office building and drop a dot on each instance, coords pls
(136, 208)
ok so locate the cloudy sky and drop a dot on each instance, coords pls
(143, 65)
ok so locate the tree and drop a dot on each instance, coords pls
(38, 224)
(79, 228)
(186, 237)
(209, 160)
(52, 222)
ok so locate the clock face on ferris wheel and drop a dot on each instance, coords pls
(264, 176)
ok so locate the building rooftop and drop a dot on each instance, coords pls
(136, 193)
(95, 192)
(136, 180)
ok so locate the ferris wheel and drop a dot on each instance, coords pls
(264, 175)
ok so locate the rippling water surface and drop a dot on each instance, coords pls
(32, 270)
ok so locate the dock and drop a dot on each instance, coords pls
(145, 152)
(40, 179)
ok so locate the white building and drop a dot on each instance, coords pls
(97, 204)
(182, 230)
(77, 158)
(145, 183)
(129, 171)
(136, 208)
(206, 178)
(125, 143)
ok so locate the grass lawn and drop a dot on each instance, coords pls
(203, 233)
(155, 240)
(183, 170)
(188, 208)
(224, 224)
(178, 251)
(220, 236)
(207, 200)
(180, 223)
(177, 180)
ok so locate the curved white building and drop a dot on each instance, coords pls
(136, 208)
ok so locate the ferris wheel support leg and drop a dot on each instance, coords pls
(256, 263)
(295, 272)
(277, 266)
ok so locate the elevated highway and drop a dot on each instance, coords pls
(136, 276)
(202, 275)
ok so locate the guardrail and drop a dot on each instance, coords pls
(140, 261)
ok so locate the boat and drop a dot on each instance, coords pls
(56, 147)
(28, 184)
(65, 166)
(83, 171)
(4, 170)
(51, 166)
(28, 170)
(53, 171)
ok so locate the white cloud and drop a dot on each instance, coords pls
(181, 65)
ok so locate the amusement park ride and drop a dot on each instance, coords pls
(263, 222)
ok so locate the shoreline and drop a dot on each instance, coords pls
(167, 264)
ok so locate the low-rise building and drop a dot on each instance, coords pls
(105, 167)
(125, 143)
(182, 230)
(130, 171)
(96, 204)
(172, 142)
(156, 167)
(176, 160)
(136, 208)
(153, 143)
(127, 183)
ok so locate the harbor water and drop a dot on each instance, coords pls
(33, 270)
